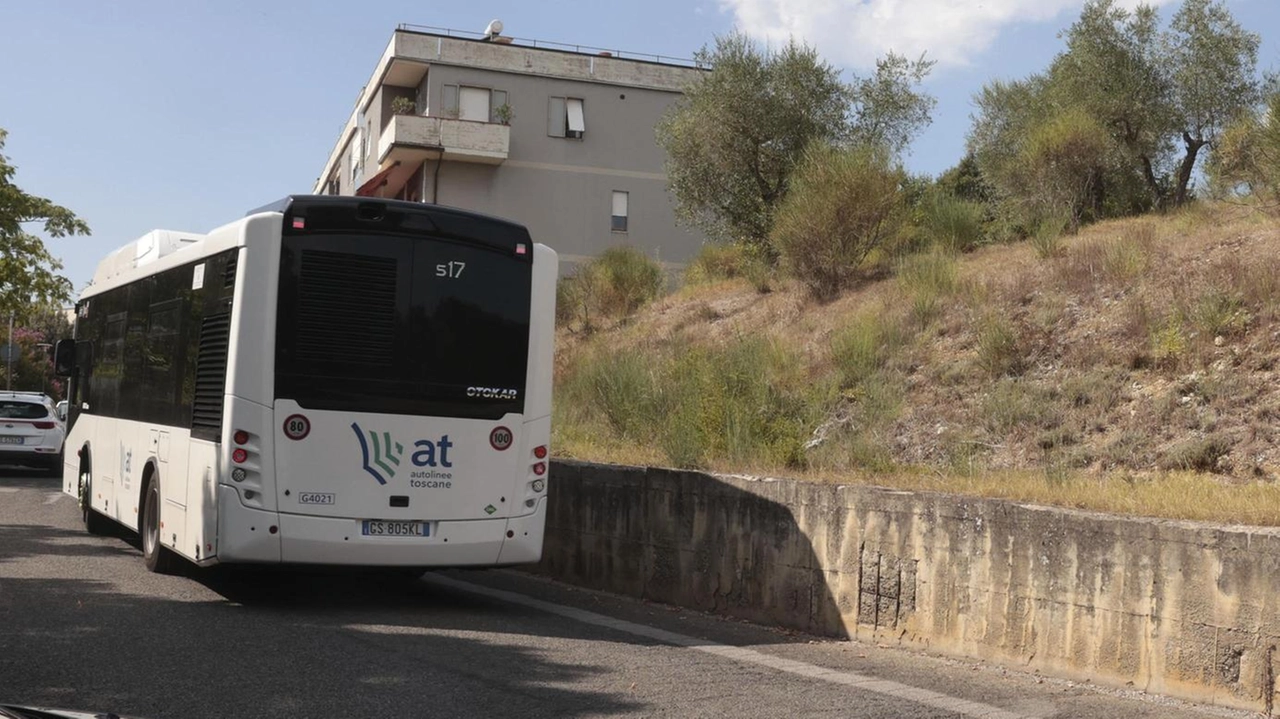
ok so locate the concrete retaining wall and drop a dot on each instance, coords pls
(1179, 608)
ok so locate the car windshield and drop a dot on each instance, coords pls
(10, 409)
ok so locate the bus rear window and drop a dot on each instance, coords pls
(402, 324)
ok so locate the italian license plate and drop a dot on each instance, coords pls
(10, 440)
(393, 528)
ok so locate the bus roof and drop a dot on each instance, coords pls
(356, 214)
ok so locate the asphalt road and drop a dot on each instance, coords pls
(83, 625)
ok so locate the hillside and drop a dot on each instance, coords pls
(1131, 368)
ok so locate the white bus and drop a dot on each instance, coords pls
(330, 380)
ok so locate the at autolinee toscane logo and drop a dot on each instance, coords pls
(381, 454)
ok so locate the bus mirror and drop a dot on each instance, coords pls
(64, 358)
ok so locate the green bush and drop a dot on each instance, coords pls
(612, 286)
(748, 402)
(926, 279)
(863, 347)
(1246, 159)
(716, 262)
(999, 352)
(952, 224)
(842, 205)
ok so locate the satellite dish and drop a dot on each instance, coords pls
(493, 29)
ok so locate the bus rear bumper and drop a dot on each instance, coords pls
(302, 539)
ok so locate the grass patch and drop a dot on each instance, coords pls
(999, 351)
(1014, 404)
(719, 262)
(864, 346)
(926, 279)
(747, 402)
(1173, 495)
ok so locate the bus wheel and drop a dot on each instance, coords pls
(154, 554)
(94, 523)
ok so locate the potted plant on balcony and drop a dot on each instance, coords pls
(403, 106)
(503, 113)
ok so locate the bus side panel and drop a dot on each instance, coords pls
(169, 449)
(251, 356)
(542, 313)
(202, 504)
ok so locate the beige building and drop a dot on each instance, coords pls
(558, 138)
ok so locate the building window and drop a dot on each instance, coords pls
(618, 222)
(473, 104)
(357, 145)
(565, 117)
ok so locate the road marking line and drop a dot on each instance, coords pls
(854, 680)
(52, 497)
(9, 490)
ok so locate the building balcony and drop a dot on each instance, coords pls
(410, 139)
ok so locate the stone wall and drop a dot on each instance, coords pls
(1179, 608)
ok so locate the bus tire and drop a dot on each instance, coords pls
(155, 555)
(94, 523)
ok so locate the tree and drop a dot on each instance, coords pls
(888, 110)
(28, 272)
(735, 137)
(1114, 68)
(1246, 156)
(846, 202)
(1214, 78)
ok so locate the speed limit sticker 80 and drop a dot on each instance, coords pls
(297, 427)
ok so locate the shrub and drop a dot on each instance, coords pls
(1198, 455)
(612, 286)
(718, 261)
(1047, 238)
(842, 205)
(1246, 159)
(952, 224)
(998, 348)
(1060, 164)
(1168, 343)
(1220, 313)
(621, 387)
(863, 347)
(926, 279)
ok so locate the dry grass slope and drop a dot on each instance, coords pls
(1132, 370)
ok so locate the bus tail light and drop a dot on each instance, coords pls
(539, 485)
(240, 437)
(238, 474)
(540, 451)
(540, 469)
(239, 456)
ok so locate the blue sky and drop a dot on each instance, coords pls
(183, 115)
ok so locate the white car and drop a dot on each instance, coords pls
(31, 433)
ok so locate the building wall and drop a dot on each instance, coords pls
(560, 187)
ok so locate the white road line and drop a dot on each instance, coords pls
(862, 682)
(52, 497)
(9, 490)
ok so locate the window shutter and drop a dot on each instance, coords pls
(499, 99)
(449, 99)
(556, 117)
(576, 121)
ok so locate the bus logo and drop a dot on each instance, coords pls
(381, 454)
